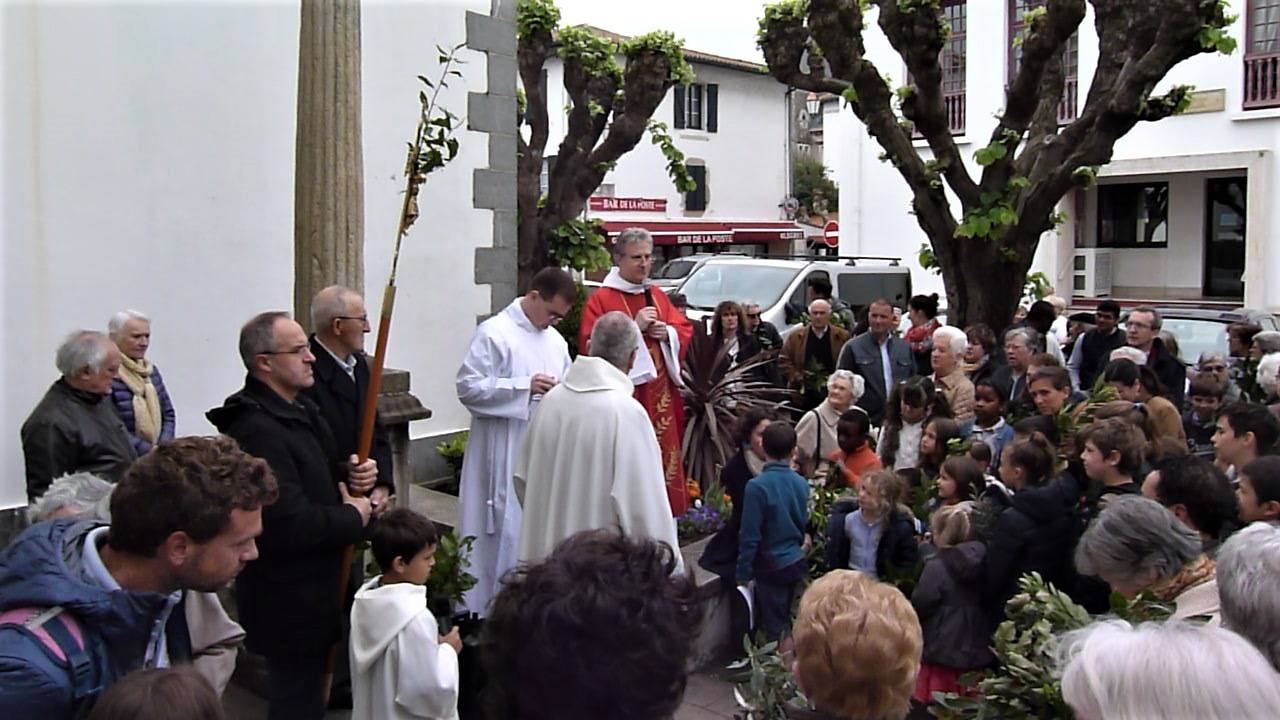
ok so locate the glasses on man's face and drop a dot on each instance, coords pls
(301, 351)
(753, 316)
(1213, 368)
(362, 319)
(1135, 325)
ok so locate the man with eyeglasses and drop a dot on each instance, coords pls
(514, 359)
(1142, 331)
(1093, 350)
(762, 330)
(287, 599)
(339, 322)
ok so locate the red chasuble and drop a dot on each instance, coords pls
(660, 395)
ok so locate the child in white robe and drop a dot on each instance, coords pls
(401, 667)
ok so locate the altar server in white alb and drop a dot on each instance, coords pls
(590, 459)
(514, 359)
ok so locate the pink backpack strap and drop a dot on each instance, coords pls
(34, 620)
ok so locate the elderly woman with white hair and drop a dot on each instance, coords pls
(138, 392)
(949, 347)
(1268, 367)
(1249, 587)
(1137, 544)
(816, 432)
(1112, 670)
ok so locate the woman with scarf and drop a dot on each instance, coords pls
(139, 393)
(1136, 544)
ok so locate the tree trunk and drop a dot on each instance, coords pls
(328, 179)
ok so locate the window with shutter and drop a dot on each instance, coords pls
(713, 111)
(678, 104)
(696, 199)
(693, 111)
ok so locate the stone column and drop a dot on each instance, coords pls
(328, 180)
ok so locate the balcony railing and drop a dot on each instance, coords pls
(1262, 81)
(1070, 96)
(955, 105)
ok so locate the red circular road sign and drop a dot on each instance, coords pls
(831, 234)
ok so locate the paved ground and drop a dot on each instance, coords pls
(706, 698)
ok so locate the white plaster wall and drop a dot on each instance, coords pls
(148, 163)
(875, 203)
(437, 300)
(745, 157)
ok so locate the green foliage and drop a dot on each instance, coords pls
(1085, 176)
(579, 244)
(1036, 286)
(786, 12)
(1024, 685)
(597, 55)
(808, 175)
(449, 578)
(436, 145)
(928, 260)
(850, 95)
(452, 451)
(991, 153)
(522, 102)
(821, 497)
(1181, 96)
(676, 169)
(987, 220)
(770, 689)
(664, 43)
(1218, 38)
(533, 16)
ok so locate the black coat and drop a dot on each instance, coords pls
(1002, 377)
(948, 599)
(1171, 371)
(1035, 533)
(721, 553)
(70, 431)
(341, 402)
(897, 553)
(287, 598)
(1095, 352)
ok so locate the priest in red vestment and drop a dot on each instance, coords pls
(666, 331)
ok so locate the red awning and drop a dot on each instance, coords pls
(696, 232)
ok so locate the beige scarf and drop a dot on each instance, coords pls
(136, 374)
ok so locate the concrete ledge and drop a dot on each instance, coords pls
(493, 190)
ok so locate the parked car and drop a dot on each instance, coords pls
(1198, 330)
(674, 271)
(780, 285)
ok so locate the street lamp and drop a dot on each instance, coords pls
(813, 104)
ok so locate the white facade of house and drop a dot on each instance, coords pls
(745, 161)
(1216, 139)
(149, 163)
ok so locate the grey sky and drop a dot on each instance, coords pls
(722, 27)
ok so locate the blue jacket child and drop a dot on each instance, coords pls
(771, 539)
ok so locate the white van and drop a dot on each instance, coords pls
(779, 285)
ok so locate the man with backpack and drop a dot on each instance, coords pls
(82, 604)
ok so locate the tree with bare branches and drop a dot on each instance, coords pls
(1031, 162)
(610, 109)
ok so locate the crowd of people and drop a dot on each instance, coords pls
(899, 489)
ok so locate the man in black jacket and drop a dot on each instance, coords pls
(339, 322)
(1093, 350)
(75, 427)
(1143, 330)
(288, 599)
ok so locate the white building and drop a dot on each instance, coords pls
(1184, 210)
(149, 163)
(732, 126)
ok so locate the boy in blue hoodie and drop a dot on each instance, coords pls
(771, 539)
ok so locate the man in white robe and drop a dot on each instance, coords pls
(514, 359)
(590, 459)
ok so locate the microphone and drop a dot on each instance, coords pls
(648, 297)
